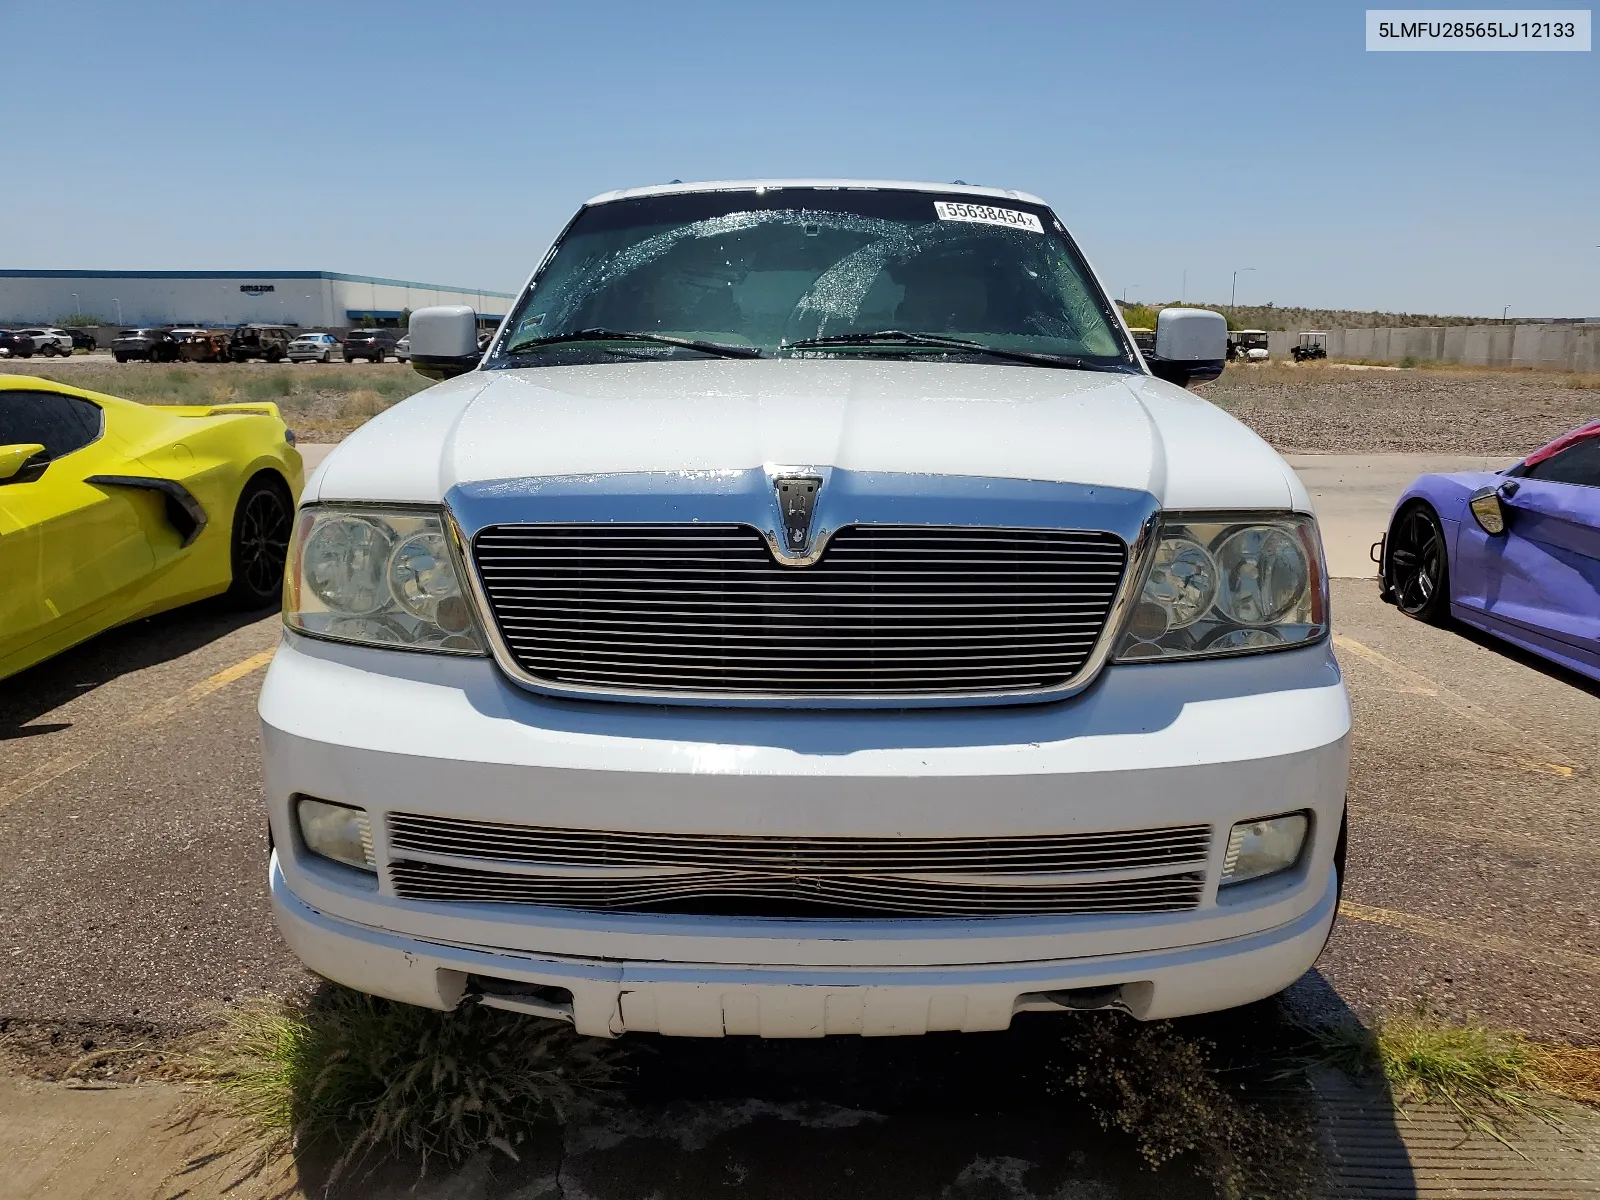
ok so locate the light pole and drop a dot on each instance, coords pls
(1233, 298)
(1125, 291)
(77, 305)
(1503, 313)
(118, 303)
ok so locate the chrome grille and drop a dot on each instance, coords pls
(719, 892)
(1153, 870)
(889, 610)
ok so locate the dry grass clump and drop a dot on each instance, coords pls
(315, 400)
(1164, 1090)
(363, 405)
(373, 1076)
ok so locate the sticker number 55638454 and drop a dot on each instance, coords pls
(987, 214)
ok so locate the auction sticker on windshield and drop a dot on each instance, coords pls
(987, 214)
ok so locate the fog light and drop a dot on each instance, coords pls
(337, 831)
(1258, 848)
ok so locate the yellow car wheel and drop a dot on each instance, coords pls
(261, 523)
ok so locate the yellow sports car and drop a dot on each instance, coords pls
(112, 510)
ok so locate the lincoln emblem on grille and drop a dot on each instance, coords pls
(797, 500)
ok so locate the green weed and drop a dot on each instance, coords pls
(379, 1077)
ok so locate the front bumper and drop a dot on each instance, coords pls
(1145, 747)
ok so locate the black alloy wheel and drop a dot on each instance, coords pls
(1416, 571)
(261, 523)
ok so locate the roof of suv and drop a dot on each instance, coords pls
(745, 185)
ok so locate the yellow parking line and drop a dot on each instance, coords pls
(1550, 956)
(1419, 684)
(55, 768)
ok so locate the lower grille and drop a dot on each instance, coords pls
(445, 859)
(888, 610)
(736, 893)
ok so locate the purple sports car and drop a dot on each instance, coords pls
(1515, 554)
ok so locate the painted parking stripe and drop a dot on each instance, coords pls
(55, 768)
(1550, 956)
(1548, 761)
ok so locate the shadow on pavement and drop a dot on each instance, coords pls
(1526, 658)
(946, 1116)
(43, 688)
(1358, 1121)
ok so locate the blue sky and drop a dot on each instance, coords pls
(449, 143)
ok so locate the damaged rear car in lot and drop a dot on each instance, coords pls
(810, 614)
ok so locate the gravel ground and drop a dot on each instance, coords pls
(1337, 410)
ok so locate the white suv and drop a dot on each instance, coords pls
(48, 340)
(811, 614)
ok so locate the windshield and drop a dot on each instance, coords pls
(766, 269)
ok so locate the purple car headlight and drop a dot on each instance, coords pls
(1218, 586)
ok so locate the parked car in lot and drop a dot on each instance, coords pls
(49, 341)
(111, 511)
(374, 345)
(1515, 553)
(82, 339)
(313, 347)
(267, 342)
(402, 349)
(886, 648)
(204, 345)
(15, 345)
(149, 344)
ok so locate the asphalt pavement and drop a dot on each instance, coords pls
(132, 898)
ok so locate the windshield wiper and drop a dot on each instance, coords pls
(899, 337)
(617, 335)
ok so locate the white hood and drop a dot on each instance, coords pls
(862, 415)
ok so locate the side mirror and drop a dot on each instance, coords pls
(22, 463)
(1487, 510)
(1191, 345)
(444, 341)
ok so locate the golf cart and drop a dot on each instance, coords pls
(1311, 345)
(1247, 345)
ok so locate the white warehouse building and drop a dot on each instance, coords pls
(318, 299)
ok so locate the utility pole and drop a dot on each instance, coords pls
(118, 303)
(1125, 291)
(1233, 297)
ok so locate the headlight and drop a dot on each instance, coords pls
(336, 831)
(386, 577)
(1260, 848)
(1217, 587)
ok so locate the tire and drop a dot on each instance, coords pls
(326, 357)
(262, 520)
(349, 358)
(120, 357)
(1416, 564)
(1341, 855)
(274, 356)
(48, 350)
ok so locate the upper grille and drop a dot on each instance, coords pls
(889, 610)
(1146, 870)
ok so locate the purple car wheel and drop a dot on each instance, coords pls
(1416, 569)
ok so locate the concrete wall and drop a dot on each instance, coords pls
(1554, 347)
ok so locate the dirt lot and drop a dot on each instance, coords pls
(1338, 410)
(1309, 409)
(320, 403)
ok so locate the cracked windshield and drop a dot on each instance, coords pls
(814, 272)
